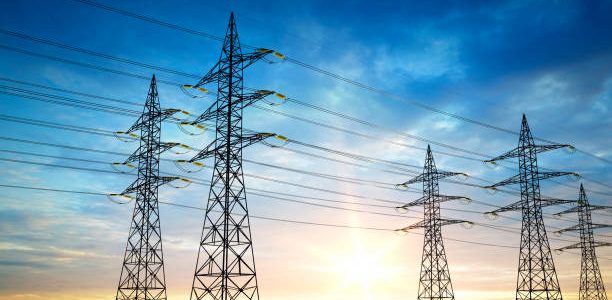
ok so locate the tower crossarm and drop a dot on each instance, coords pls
(243, 141)
(425, 223)
(144, 118)
(252, 57)
(540, 176)
(578, 227)
(440, 198)
(571, 228)
(519, 205)
(162, 148)
(579, 245)
(157, 182)
(536, 148)
(210, 76)
(578, 208)
(246, 59)
(207, 152)
(251, 98)
(568, 211)
(244, 100)
(252, 138)
(427, 176)
(569, 247)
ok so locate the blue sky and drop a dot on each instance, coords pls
(488, 61)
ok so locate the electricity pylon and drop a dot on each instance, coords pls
(537, 278)
(142, 274)
(435, 281)
(591, 283)
(225, 267)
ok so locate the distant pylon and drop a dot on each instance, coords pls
(435, 281)
(142, 274)
(591, 283)
(225, 268)
(537, 277)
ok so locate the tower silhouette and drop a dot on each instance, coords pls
(537, 277)
(591, 282)
(225, 267)
(435, 281)
(142, 273)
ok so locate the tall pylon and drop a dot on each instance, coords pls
(591, 282)
(142, 273)
(435, 281)
(225, 267)
(537, 277)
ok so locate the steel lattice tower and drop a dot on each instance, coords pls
(591, 282)
(225, 267)
(142, 274)
(537, 278)
(435, 281)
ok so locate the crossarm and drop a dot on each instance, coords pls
(209, 77)
(252, 57)
(440, 198)
(437, 176)
(144, 118)
(540, 176)
(538, 149)
(422, 224)
(159, 181)
(578, 246)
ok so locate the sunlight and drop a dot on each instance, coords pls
(360, 266)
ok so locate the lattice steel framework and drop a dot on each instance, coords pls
(142, 274)
(225, 267)
(537, 278)
(591, 282)
(435, 281)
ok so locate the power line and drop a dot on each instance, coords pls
(85, 65)
(272, 219)
(274, 196)
(266, 195)
(95, 53)
(146, 65)
(363, 122)
(104, 132)
(70, 91)
(391, 95)
(267, 109)
(175, 83)
(197, 181)
(109, 133)
(257, 217)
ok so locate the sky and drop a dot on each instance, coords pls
(482, 60)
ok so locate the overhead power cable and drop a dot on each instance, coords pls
(269, 110)
(95, 53)
(270, 218)
(288, 115)
(206, 183)
(86, 65)
(268, 194)
(103, 132)
(388, 94)
(257, 217)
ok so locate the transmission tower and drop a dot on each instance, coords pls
(142, 274)
(591, 283)
(435, 282)
(537, 278)
(225, 267)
